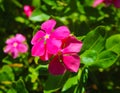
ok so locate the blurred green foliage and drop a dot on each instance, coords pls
(98, 28)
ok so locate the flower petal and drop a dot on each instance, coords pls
(72, 45)
(46, 56)
(48, 25)
(28, 10)
(72, 62)
(10, 40)
(22, 48)
(56, 67)
(14, 52)
(7, 48)
(117, 3)
(53, 45)
(97, 2)
(37, 37)
(61, 32)
(38, 49)
(20, 37)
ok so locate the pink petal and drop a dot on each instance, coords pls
(56, 67)
(37, 37)
(72, 45)
(117, 3)
(48, 25)
(22, 48)
(7, 48)
(53, 45)
(38, 49)
(72, 62)
(20, 38)
(14, 52)
(97, 2)
(28, 10)
(10, 40)
(61, 32)
(108, 2)
(46, 56)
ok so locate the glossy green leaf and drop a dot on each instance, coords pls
(89, 57)
(95, 39)
(104, 59)
(39, 16)
(54, 83)
(70, 82)
(113, 43)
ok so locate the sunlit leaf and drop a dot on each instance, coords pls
(89, 57)
(39, 16)
(113, 43)
(104, 59)
(95, 39)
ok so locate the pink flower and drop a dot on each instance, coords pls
(47, 41)
(107, 3)
(66, 58)
(28, 10)
(117, 3)
(97, 2)
(16, 45)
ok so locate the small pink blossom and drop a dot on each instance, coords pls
(28, 10)
(67, 57)
(107, 3)
(47, 41)
(15, 45)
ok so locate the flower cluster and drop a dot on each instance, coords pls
(16, 45)
(59, 44)
(28, 10)
(107, 3)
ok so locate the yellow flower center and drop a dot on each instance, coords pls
(15, 44)
(46, 36)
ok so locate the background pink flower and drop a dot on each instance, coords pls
(28, 10)
(97, 2)
(107, 3)
(16, 45)
(117, 3)
(67, 58)
(47, 41)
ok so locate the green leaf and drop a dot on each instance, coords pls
(6, 74)
(39, 16)
(70, 82)
(89, 57)
(36, 3)
(12, 91)
(52, 3)
(104, 59)
(19, 86)
(33, 74)
(95, 39)
(8, 59)
(20, 19)
(54, 83)
(113, 43)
